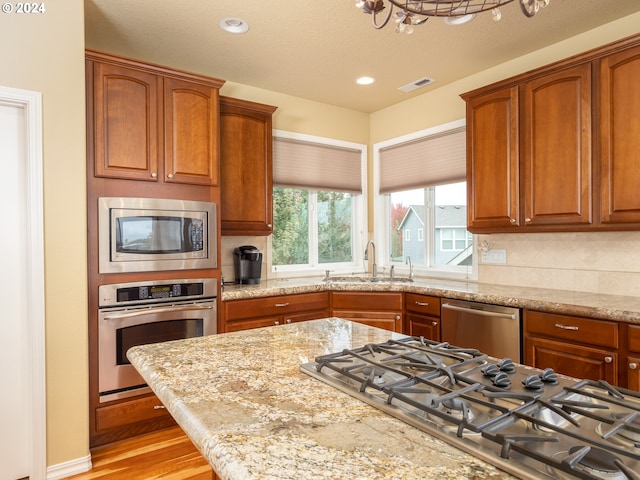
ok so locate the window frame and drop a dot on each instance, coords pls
(359, 219)
(382, 220)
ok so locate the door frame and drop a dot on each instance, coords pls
(31, 103)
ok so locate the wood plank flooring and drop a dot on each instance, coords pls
(167, 454)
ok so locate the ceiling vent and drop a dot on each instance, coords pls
(417, 84)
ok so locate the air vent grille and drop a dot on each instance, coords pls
(424, 81)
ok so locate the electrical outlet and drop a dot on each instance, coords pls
(498, 257)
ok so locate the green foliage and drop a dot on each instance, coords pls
(334, 227)
(291, 230)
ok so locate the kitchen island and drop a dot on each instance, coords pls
(244, 403)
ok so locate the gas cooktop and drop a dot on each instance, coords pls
(531, 423)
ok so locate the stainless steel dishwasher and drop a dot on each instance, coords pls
(492, 329)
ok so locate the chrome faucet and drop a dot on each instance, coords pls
(408, 262)
(374, 267)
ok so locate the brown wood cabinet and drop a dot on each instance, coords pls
(377, 309)
(632, 363)
(576, 346)
(546, 153)
(152, 123)
(246, 167)
(619, 125)
(277, 310)
(422, 316)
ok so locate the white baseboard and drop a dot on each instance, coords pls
(67, 469)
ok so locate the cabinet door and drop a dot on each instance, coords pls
(386, 320)
(573, 360)
(424, 326)
(190, 133)
(492, 160)
(125, 123)
(557, 148)
(619, 127)
(633, 373)
(246, 167)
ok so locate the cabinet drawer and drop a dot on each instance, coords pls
(366, 301)
(575, 329)
(634, 338)
(126, 413)
(278, 305)
(422, 304)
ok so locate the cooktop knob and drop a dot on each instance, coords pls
(533, 382)
(549, 376)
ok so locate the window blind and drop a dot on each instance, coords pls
(316, 166)
(434, 160)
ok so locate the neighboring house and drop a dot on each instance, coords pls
(452, 242)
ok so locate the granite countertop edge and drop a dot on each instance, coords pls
(567, 302)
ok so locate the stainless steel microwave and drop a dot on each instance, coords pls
(153, 234)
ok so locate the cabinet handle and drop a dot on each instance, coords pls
(269, 225)
(527, 220)
(435, 324)
(608, 359)
(170, 175)
(282, 304)
(277, 322)
(633, 366)
(512, 220)
(422, 304)
(158, 407)
(154, 174)
(288, 320)
(566, 327)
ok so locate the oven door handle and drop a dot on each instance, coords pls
(156, 310)
(475, 311)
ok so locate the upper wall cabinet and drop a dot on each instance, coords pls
(620, 137)
(152, 123)
(246, 167)
(533, 162)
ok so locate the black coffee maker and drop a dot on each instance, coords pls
(247, 261)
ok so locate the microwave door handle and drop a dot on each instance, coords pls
(152, 311)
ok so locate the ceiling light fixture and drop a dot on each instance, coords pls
(234, 25)
(365, 80)
(417, 12)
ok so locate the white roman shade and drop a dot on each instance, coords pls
(426, 162)
(316, 166)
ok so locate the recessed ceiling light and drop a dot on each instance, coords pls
(459, 19)
(365, 80)
(234, 25)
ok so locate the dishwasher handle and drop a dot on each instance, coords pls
(484, 313)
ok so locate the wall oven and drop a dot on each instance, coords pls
(153, 234)
(141, 313)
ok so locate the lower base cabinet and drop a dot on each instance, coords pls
(376, 309)
(129, 418)
(277, 310)
(575, 346)
(422, 316)
(633, 357)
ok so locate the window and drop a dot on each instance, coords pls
(420, 180)
(318, 204)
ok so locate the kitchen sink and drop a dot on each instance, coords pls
(367, 279)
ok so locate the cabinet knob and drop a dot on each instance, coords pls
(170, 175)
(397, 317)
(277, 322)
(512, 220)
(269, 225)
(154, 175)
(608, 359)
(435, 324)
(633, 366)
(527, 220)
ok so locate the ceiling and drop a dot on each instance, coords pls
(316, 49)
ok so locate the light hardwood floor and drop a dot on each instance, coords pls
(167, 455)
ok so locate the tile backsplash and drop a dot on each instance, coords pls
(597, 262)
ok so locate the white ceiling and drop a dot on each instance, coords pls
(316, 49)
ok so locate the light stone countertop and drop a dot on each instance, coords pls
(244, 403)
(607, 307)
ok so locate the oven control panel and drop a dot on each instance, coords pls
(156, 291)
